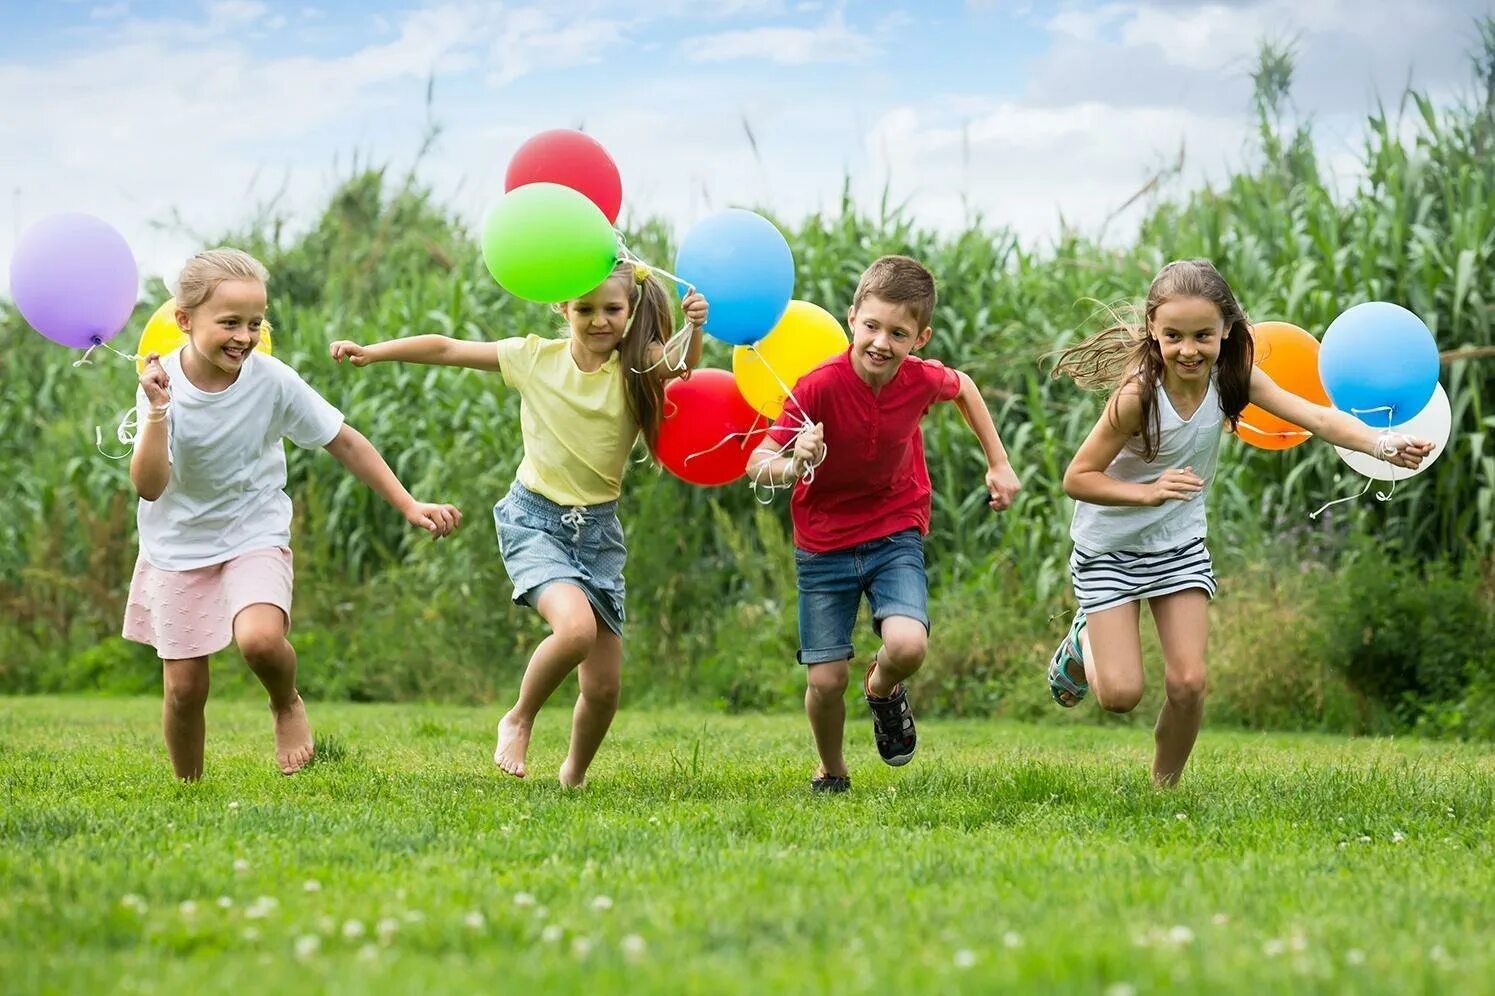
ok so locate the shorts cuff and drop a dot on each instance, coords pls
(842, 653)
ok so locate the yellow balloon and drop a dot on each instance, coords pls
(805, 337)
(161, 335)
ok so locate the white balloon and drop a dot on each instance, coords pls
(1433, 424)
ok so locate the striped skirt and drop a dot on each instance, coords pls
(1106, 580)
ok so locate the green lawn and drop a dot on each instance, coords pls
(1005, 857)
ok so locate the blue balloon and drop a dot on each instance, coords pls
(1379, 355)
(743, 267)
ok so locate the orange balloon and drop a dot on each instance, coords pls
(1290, 356)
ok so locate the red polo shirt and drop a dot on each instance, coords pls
(874, 481)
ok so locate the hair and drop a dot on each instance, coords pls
(899, 280)
(1126, 352)
(650, 321)
(205, 271)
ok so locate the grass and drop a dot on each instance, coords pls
(1006, 857)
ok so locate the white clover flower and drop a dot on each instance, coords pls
(307, 945)
(633, 947)
(523, 899)
(311, 885)
(1354, 956)
(1181, 935)
(353, 929)
(551, 933)
(1219, 919)
(240, 865)
(581, 947)
(1012, 939)
(602, 903)
(386, 928)
(475, 920)
(965, 958)
(224, 902)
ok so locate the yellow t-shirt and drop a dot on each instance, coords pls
(576, 426)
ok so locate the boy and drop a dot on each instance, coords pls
(860, 518)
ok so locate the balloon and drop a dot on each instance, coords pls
(548, 243)
(1379, 355)
(73, 278)
(805, 337)
(698, 439)
(1433, 424)
(161, 335)
(1289, 356)
(573, 160)
(743, 266)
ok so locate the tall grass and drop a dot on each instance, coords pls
(383, 613)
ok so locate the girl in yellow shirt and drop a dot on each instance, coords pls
(584, 401)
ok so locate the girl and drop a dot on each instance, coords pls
(214, 517)
(1140, 481)
(584, 400)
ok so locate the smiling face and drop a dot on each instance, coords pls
(1189, 331)
(599, 320)
(225, 328)
(882, 336)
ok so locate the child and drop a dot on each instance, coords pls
(584, 401)
(1140, 481)
(860, 519)
(214, 518)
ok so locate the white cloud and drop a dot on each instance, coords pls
(831, 41)
(535, 39)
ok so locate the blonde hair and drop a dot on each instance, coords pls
(205, 271)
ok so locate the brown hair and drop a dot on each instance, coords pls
(205, 271)
(1127, 352)
(899, 280)
(650, 321)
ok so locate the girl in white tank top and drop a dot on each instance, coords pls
(1140, 481)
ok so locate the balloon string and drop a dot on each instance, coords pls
(98, 343)
(1383, 448)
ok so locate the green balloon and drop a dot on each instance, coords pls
(548, 243)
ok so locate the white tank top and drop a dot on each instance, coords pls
(1192, 442)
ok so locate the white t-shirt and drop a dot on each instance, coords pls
(226, 495)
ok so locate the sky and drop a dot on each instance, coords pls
(176, 121)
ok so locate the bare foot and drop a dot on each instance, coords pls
(513, 745)
(293, 743)
(570, 780)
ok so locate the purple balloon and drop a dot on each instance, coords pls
(74, 279)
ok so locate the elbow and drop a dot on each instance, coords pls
(148, 490)
(1072, 486)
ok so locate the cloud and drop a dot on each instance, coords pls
(830, 41)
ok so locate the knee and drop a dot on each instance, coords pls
(829, 681)
(260, 644)
(903, 653)
(1186, 688)
(1121, 698)
(577, 634)
(601, 692)
(187, 694)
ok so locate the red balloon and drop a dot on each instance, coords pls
(709, 430)
(570, 159)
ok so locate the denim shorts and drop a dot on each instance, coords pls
(889, 571)
(542, 543)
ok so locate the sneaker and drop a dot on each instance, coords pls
(830, 784)
(1066, 690)
(892, 723)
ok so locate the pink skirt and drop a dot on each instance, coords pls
(185, 614)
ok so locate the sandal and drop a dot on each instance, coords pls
(1069, 652)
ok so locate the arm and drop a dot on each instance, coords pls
(694, 306)
(1333, 425)
(1001, 483)
(765, 466)
(1086, 478)
(438, 350)
(150, 467)
(352, 450)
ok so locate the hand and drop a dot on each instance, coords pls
(809, 449)
(155, 383)
(1175, 485)
(343, 349)
(438, 520)
(695, 308)
(1002, 485)
(1403, 451)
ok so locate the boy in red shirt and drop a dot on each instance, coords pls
(860, 519)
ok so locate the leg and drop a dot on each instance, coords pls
(1183, 628)
(825, 705)
(904, 643)
(182, 721)
(600, 677)
(260, 633)
(573, 633)
(1112, 644)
